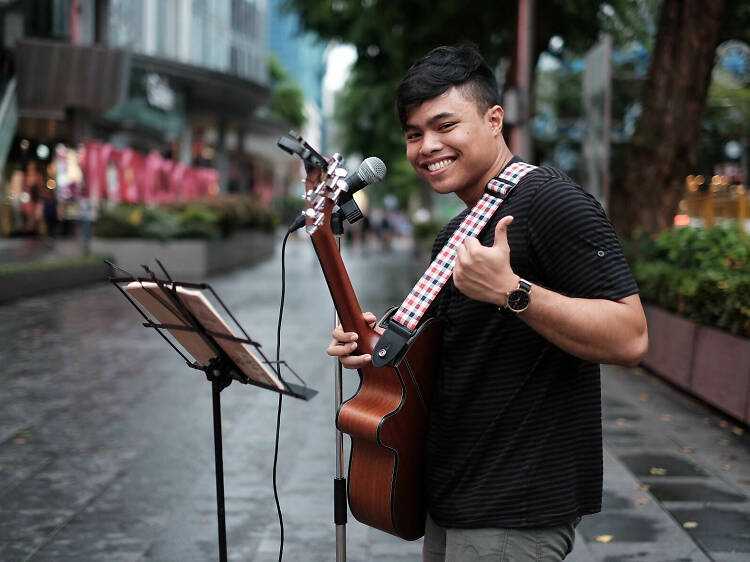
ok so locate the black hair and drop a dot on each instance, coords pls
(444, 67)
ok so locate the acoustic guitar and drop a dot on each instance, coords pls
(387, 417)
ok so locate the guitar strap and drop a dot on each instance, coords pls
(403, 323)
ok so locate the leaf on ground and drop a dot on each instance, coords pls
(687, 449)
(643, 397)
(622, 421)
(723, 442)
(656, 471)
(645, 487)
(642, 501)
(604, 538)
(690, 524)
(737, 430)
(665, 417)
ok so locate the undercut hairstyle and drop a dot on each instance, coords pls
(444, 67)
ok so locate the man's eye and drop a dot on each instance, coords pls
(412, 136)
(445, 126)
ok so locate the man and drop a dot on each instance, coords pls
(513, 450)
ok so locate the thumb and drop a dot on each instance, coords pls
(501, 230)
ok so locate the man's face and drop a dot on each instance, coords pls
(452, 146)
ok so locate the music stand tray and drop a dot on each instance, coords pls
(184, 315)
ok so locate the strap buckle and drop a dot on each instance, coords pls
(392, 344)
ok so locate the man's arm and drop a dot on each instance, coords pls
(596, 330)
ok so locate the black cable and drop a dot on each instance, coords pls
(278, 412)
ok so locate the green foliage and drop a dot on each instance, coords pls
(287, 100)
(210, 218)
(390, 36)
(703, 274)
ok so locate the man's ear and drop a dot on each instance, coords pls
(495, 116)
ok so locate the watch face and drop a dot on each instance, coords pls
(518, 300)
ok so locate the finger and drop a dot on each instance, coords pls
(470, 244)
(501, 230)
(344, 337)
(339, 349)
(457, 275)
(370, 318)
(355, 361)
(462, 253)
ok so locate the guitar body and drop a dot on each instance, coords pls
(387, 422)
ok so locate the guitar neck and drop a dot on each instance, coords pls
(342, 292)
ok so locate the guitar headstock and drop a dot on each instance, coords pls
(321, 199)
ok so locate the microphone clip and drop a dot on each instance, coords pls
(349, 208)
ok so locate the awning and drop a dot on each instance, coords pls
(208, 90)
(54, 76)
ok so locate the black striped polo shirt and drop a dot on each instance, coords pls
(514, 436)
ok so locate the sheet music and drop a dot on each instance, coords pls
(204, 312)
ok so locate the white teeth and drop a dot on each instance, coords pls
(439, 165)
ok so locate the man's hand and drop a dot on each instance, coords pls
(345, 343)
(483, 273)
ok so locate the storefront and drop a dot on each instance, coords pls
(99, 124)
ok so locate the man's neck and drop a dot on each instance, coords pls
(504, 156)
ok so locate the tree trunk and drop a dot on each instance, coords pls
(662, 150)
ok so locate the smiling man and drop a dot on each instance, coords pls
(538, 298)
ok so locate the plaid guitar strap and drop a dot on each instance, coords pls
(403, 323)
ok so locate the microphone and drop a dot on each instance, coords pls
(372, 170)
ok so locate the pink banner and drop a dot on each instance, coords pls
(130, 176)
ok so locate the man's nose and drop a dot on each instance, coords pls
(430, 143)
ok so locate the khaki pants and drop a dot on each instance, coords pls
(548, 544)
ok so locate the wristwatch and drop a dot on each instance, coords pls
(518, 299)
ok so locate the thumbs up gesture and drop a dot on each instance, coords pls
(483, 273)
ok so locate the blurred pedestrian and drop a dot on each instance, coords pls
(51, 214)
(86, 216)
(537, 299)
(34, 210)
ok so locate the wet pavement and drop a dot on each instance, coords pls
(106, 448)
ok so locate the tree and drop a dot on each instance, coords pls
(287, 100)
(663, 148)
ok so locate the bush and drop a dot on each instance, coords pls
(208, 218)
(702, 274)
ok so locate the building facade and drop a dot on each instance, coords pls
(137, 100)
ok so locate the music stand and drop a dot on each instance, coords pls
(182, 310)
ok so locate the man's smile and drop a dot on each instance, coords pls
(440, 164)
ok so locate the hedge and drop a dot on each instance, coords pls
(702, 274)
(209, 218)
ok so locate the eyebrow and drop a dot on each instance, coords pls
(438, 117)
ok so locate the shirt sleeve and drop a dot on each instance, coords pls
(575, 246)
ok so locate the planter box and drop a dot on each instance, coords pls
(189, 259)
(711, 364)
(29, 283)
(671, 344)
(721, 371)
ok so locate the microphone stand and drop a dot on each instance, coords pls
(339, 482)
